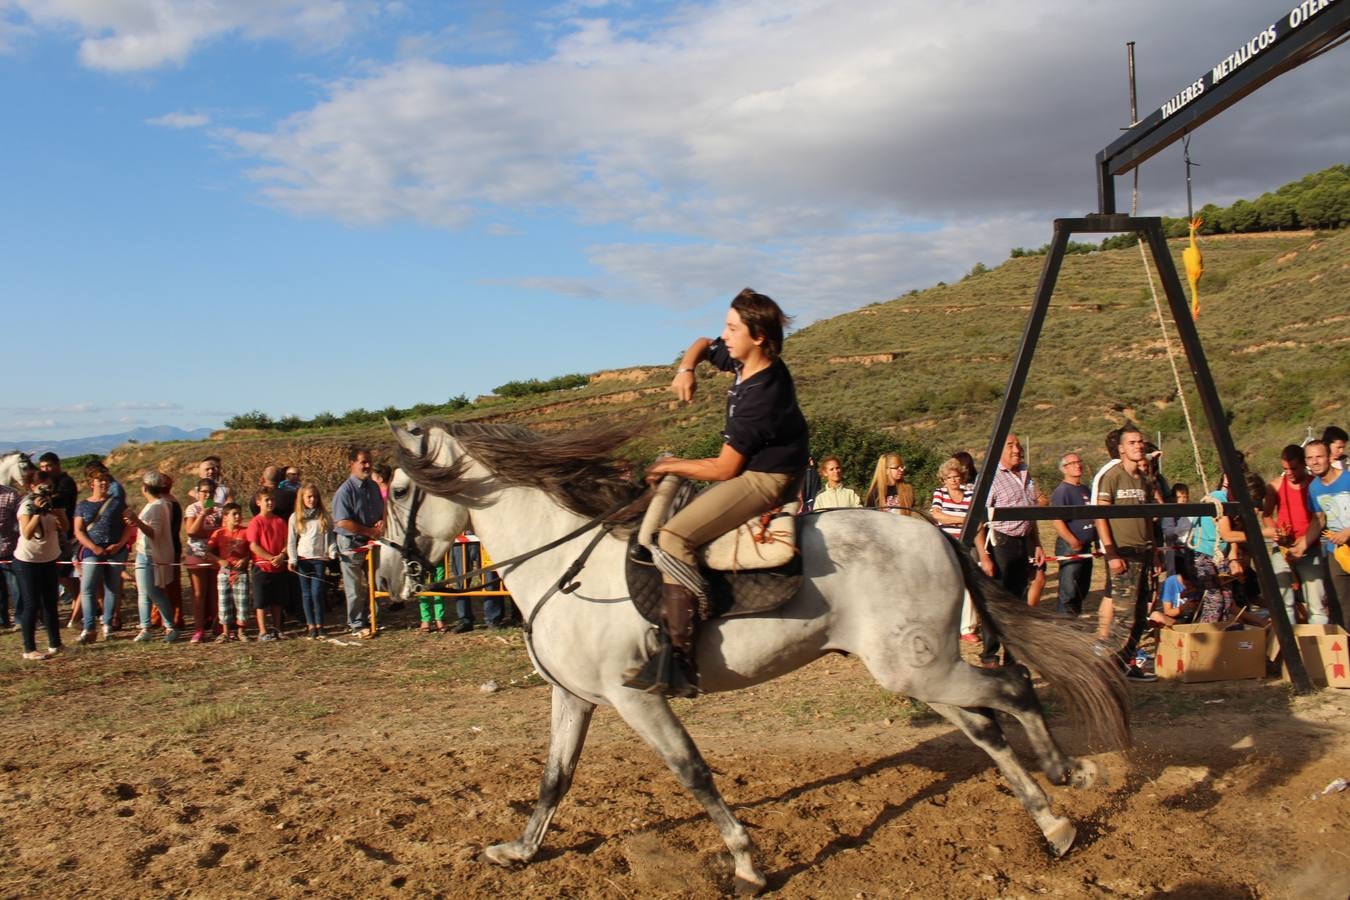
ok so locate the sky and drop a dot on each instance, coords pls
(298, 206)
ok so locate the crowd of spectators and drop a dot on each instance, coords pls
(251, 565)
(1157, 572)
(248, 574)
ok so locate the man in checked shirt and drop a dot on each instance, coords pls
(1008, 550)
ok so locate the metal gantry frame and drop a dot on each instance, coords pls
(1240, 501)
(1302, 33)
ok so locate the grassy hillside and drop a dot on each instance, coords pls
(930, 367)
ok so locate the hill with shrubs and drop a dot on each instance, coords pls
(924, 373)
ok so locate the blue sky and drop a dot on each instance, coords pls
(308, 205)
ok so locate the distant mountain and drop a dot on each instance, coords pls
(104, 442)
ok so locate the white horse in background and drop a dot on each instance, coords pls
(13, 465)
(887, 589)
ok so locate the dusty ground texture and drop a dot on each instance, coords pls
(303, 769)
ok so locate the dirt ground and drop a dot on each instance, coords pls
(383, 769)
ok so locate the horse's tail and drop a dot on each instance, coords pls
(1092, 687)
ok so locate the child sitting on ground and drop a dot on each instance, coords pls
(1178, 600)
(267, 539)
(228, 548)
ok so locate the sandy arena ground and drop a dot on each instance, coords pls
(382, 769)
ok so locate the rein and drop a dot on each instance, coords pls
(415, 565)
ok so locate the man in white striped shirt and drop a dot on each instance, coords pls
(1016, 545)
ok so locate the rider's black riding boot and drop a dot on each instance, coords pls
(671, 670)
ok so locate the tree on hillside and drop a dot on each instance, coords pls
(1241, 217)
(1275, 213)
(1323, 207)
(254, 418)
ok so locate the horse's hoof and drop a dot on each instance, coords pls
(1061, 837)
(750, 887)
(1084, 773)
(508, 855)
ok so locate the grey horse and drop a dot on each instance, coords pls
(886, 589)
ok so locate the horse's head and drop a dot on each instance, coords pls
(423, 515)
(419, 529)
(14, 468)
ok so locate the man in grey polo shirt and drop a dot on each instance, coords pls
(358, 517)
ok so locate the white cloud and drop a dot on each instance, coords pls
(146, 405)
(180, 120)
(29, 424)
(81, 409)
(777, 140)
(135, 35)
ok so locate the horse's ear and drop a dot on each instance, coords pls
(411, 443)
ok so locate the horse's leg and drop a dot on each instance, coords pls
(982, 727)
(1010, 690)
(1021, 702)
(651, 717)
(571, 718)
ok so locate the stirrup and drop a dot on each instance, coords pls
(661, 674)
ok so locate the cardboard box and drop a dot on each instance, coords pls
(1191, 653)
(1326, 653)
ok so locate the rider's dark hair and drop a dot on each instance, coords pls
(763, 317)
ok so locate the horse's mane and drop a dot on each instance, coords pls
(576, 468)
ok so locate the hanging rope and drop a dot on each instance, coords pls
(1167, 342)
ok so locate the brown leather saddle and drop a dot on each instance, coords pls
(737, 591)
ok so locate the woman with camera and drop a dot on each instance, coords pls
(41, 523)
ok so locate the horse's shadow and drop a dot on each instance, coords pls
(1267, 753)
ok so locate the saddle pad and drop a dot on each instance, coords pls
(740, 594)
(751, 546)
(754, 545)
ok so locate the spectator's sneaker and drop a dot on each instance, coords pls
(171, 635)
(1134, 673)
(463, 628)
(105, 634)
(35, 656)
(141, 638)
(53, 651)
(86, 637)
(197, 637)
(269, 636)
(221, 638)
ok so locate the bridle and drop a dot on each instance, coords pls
(416, 566)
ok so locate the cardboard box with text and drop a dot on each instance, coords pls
(1191, 653)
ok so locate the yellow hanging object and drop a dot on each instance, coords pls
(1195, 267)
